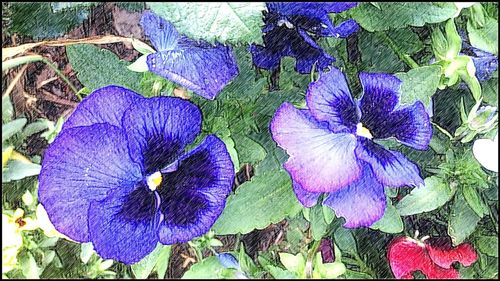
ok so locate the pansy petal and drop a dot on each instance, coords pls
(306, 198)
(380, 97)
(123, 226)
(82, 165)
(104, 105)
(193, 196)
(329, 99)
(391, 168)
(342, 30)
(205, 70)
(265, 58)
(406, 256)
(158, 129)
(160, 32)
(410, 125)
(308, 53)
(485, 66)
(320, 161)
(444, 255)
(361, 203)
(310, 9)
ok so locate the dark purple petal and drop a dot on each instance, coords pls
(82, 165)
(320, 161)
(306, 198)
(410, 125)
(380, 97)
(193, 196)
(104, 105)
(329, 100)
(158, 129)
(391, 168)
(265, 58)
(204, 70)
(159, 31)
(311, 9)
(124, 225)
(309, 53)
(361, 203)
(342, 30)
(485, 66)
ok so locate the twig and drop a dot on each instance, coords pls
(14, 81)
(53, 98)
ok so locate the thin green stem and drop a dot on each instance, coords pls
(63, 77)
(404, 57)
(443, 130)
(237, 244)
(363, 266)
(310, 257)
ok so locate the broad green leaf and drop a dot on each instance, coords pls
(434, 194)
(474, 200)
(140, 65)
(96, 68)
(267, 198)
(249, 151)
(7, 109)
(218, 21)
(162, 262)
(490, 91)
(294, 263)
(406, 40)
(344, 239)
(376, 55)
(486, 37)
(208, 268)
(143, 268)
(395, 15)
(36, 127)
(391, 221)
(17, 170)
(279, 273)
(419, 84)
(29, 267)
(318, 223)
(488, 245)
(328, 213)
(462, 220)
(12, 128)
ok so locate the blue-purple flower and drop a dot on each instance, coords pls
(287, 28)
(485, 63)
(118, 174)
(332, 145)
(199, 66)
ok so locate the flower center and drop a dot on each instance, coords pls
(288, 24)
(363, 132)
(153, 180)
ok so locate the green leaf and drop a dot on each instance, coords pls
(345, 240)
(376, 56)
(17, 170)
(38, 20)
(406, 40)
(143, 268)
(268, 198)
(433, 195)
(294, 263)
(12, 128)
(486, 37)
(462, 220)
(419, 84)
(279, 273)
(223, 22)
(162, 262)
(96, 68)
(391, 221)
(208, 268)
(87, 249)
(318, 223)
(29, 267)
(395, 15)
(488, 245)
(474, 200)
(249, 151)
(7, 109)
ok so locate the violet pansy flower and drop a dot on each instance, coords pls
(286, 34)
(118, 174)
(485, 63)
(199, 66)
(332, 144)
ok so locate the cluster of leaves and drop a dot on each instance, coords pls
(460, 198)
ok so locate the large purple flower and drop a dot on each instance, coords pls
(118, 176)
(332, 149)
(286, 34)
(200, 67)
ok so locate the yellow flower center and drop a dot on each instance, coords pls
(154, 181)
(362, 131)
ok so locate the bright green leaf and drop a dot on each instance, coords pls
(12, 128)
(208, 268)
(268, 198)
(318, 223)
(488, 245)
(17, 170)
(419, 84)
(433, 195)
(486, 37)
(391, 221)
(249, 151)
(472, 197)
(462, 220)
(294, 263)
(143, 268)
(217, 21)
(345, 240)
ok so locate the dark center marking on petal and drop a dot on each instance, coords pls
(160, 153)
(140, 204)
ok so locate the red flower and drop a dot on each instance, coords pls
(433, 257)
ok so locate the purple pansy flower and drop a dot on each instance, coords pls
(485, 63)
(199, 66)
(286, 34)
(118, 176)
(332, 149)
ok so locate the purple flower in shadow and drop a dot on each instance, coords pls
(118, 174)
(485, 63)
(332, 149)
(287, 34)
(199, 66)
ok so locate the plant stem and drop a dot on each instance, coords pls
(63, 77)
(310, 257)
(237, 243)
(443, 131)
(404, 57)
